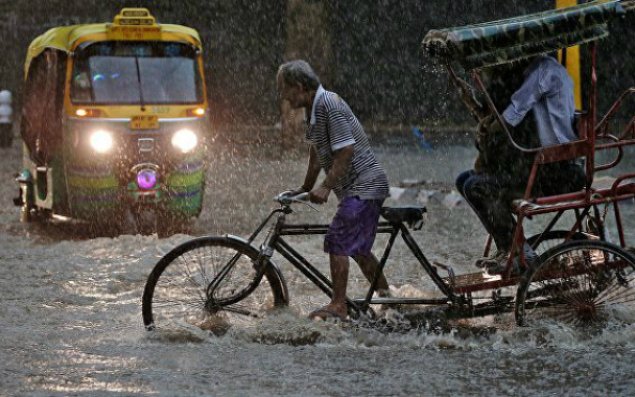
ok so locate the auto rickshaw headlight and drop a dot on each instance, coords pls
(185, 140)
(101, 141)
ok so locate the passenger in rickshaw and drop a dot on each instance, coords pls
(542, 87)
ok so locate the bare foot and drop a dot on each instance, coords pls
(329, 311)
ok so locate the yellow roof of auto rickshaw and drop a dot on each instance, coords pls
(65, 38)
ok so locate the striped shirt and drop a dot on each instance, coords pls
(333, 126)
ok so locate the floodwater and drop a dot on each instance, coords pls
(71, 307)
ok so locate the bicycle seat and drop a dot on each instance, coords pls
(413, 216)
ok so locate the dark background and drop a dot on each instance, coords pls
(374, 61)
(382, 70)
(243, 44)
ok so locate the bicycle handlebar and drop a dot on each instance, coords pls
(285, 198)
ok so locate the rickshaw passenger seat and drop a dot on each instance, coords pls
(411, 215)
(570, 151)
(577, 119)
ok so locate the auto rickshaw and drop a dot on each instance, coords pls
(114, 120)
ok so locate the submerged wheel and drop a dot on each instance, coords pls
(577, 283)
(175, 293)
(26, 202)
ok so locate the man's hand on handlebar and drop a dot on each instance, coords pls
(319, 195)
(289, 196)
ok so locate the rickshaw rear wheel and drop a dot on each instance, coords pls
(577, 283)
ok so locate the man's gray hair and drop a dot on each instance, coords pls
(299, 71)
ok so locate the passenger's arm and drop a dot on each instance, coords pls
(523, 99)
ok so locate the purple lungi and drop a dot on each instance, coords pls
(353, 229)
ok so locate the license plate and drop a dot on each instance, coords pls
(145, 122)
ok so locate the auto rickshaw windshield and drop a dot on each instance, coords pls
(116, 72)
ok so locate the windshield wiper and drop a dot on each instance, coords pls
(136, 61)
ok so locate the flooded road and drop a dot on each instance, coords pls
(71, 307)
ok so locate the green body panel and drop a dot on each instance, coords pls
(508, 40)
(186, 191)
(102, 194)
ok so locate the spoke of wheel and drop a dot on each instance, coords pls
(186, 272)
(560, 311)
(550, 307)
(613, 301)
(203, 269)
(226, 272)
(575, 297)
(569, 295)
(585, 281)
(171, 303)
(616, 289)
(188, 279)
(208, 253)
(622, 302)
(565, 314)
(554, 312)
(239, 310)
(229, 277)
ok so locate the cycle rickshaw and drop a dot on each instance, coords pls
(582, 278)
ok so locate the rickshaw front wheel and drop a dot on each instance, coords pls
(176, 292)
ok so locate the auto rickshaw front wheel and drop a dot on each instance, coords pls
(6, 134)
(148, 222)
(168, 225)
(25, 215)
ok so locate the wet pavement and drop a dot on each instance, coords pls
(71, 312)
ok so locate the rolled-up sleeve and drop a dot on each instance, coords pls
(340, 130)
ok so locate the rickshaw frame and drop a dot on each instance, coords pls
(586, 147)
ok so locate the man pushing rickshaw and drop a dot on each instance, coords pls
(528, 166)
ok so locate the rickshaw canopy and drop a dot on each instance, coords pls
(508, 40)
(129, 24)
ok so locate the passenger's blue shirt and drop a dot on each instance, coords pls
(548, 91)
